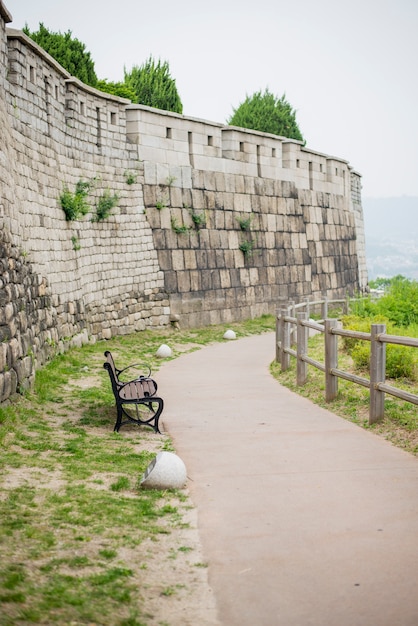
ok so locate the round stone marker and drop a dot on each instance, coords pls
(163, 351)
(166, 471)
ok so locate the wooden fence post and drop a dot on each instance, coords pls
(306, 300)
(291, 311)
(331, 359)
(324, 308)
(278, 323)
(284, 340)
(301, 349)
(377, 373)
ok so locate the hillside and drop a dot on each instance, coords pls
(391, 228)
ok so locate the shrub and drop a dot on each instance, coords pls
(400, 362)
(361, 324)
(361, 354)
(400, 303)
(399, 359)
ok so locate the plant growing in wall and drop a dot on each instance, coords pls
(161, 204)
(130, 177)
(247, 246)
(74, 204)
(179, 229)
(198, 219)
(170, 180)
(105, 203)
(164, 200)
(76, 243)
(244, 223)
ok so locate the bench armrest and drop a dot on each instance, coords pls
(135, 365)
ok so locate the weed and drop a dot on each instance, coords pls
(244, 223)
(179, 229)
(168, 591)
(106, 202)
(247, 247)
(185, 549)
(170, 180)
(199, 219)
(130, 178)
(76, 243)
(74, 204)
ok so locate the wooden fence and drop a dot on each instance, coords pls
(292, 328)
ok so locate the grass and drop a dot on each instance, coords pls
(78, 535)
(400, 425)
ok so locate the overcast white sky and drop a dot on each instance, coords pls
(348, 68)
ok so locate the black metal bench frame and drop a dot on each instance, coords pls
(137, 394)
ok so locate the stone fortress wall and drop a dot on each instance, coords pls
(192, 195)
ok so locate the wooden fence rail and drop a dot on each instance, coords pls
(292, 328)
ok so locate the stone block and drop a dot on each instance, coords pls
(189, 259)
(177, 260)
(183, 282)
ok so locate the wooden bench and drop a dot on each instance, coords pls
(136, 401)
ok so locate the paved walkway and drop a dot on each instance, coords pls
(304, 518)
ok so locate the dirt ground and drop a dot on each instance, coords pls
(169, 569)
(177, 592)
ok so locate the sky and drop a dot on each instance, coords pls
(347, 68)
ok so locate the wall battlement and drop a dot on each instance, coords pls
(193, 195)
(178, 141)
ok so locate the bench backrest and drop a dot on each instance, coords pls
(140, 387)
(110, 364)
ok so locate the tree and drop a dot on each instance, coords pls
(154, 86)
(116, 89)
(268, 114)
(68, 51)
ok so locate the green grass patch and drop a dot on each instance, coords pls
(401, 418)
(70, 501)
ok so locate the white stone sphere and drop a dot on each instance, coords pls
(163, 351)
(230, 334)
(166, 471)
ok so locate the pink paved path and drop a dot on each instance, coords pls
(304, 517)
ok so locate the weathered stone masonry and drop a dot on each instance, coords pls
(64, 283)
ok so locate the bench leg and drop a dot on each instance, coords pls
(119, 415)
(154, 407)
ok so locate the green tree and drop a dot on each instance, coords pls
(68, 51)
(265, 112)
(154, 86)
(116, 89)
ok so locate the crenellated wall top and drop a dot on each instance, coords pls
(108, 122)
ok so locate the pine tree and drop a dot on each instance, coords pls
(154, 86)
(68, 51)
(268, 114)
